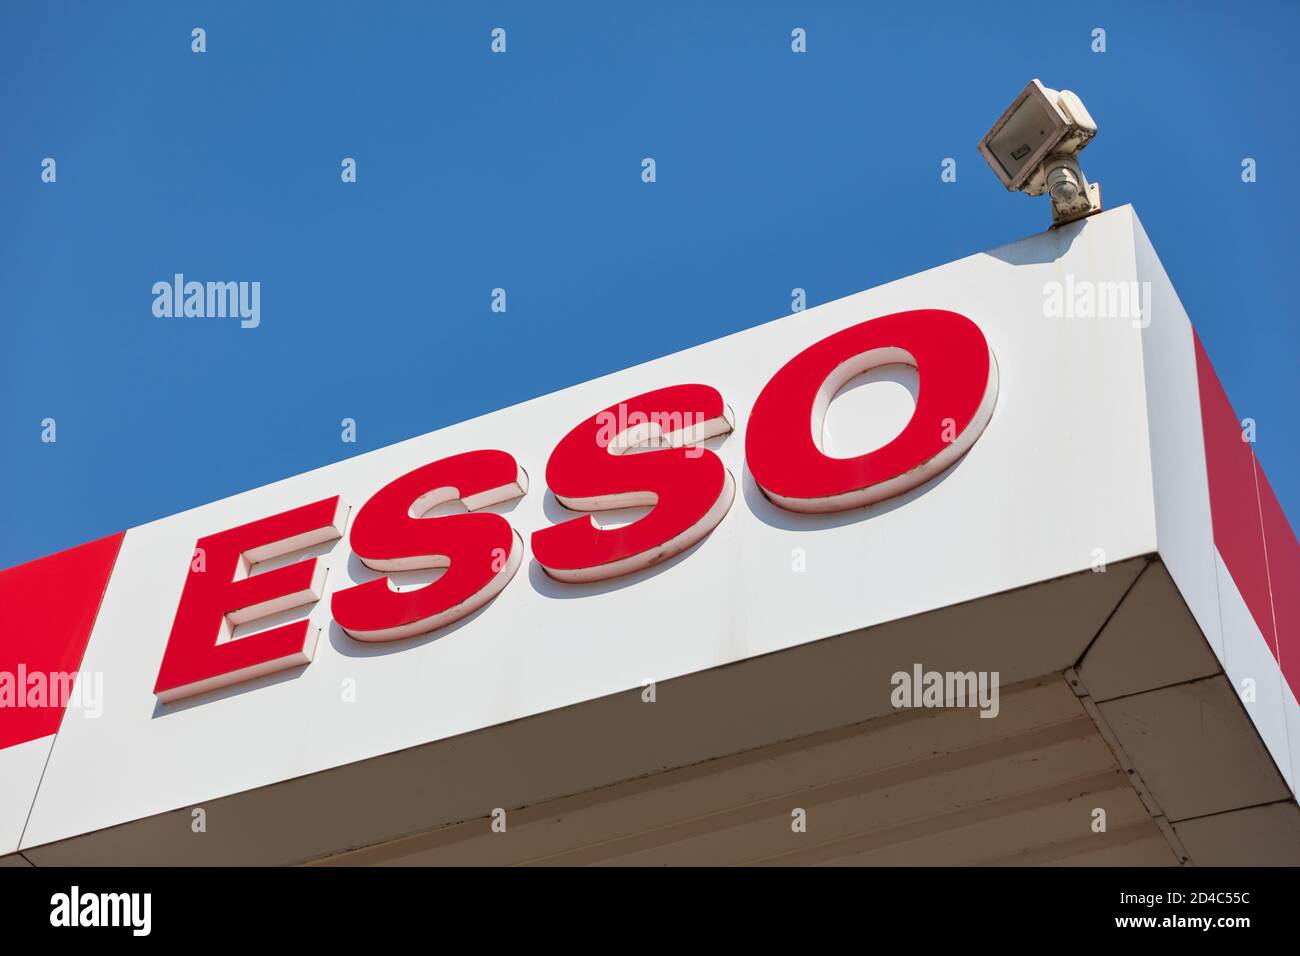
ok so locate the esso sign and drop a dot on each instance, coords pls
(643, 452)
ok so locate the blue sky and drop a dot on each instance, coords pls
(522, 171)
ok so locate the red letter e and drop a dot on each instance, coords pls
(200, 655)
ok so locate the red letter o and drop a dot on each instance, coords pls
(958, 389)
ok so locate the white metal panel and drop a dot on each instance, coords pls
(1248, 658)
(1268, 835)
(1182, 494)
(1150, 641)
(1195, 748)
(939, 787)
(1062, 470)
(696, 720)
(20, 773)
(1291, 714)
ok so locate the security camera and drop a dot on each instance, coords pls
(1034, 148)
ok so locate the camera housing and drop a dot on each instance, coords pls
(1034, 147)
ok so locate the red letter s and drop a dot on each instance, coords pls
(595, 468)
(481, 552)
